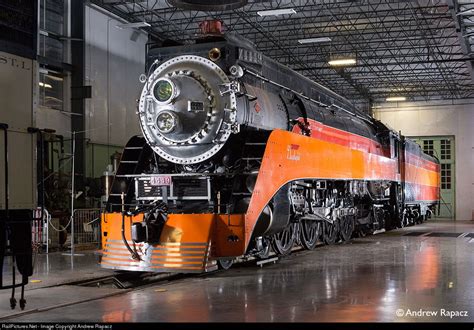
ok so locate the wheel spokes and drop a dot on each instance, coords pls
(284, 240)
(309, 234)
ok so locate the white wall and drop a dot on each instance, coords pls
(441, 118)
(17, 77)
(113, 64)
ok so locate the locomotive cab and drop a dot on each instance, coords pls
(394, 139)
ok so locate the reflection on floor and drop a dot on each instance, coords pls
(59, 267)
(386, 277)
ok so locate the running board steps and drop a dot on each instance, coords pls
(266, 261)
(251, 154)
(133, 161)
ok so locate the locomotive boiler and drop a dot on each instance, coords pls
(241, 156)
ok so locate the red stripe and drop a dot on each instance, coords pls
(421, 162)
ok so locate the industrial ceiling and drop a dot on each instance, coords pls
(421, 50)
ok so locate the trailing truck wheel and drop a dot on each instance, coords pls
(309, 233)
(283, 241)
(225, 263)
(331, 232)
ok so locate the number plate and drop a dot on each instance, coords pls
(160, 181)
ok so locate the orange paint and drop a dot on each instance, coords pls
(188, 242)
(330, 134)
(321, 159)
(191, 242)
(421, 176)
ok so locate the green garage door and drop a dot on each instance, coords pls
(442, 147)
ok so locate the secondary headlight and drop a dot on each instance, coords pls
(164, 90)
(166, 121)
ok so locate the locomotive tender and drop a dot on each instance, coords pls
(240, 155)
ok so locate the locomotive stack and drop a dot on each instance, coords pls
(240, 155)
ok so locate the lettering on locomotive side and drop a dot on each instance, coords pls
(293, 152)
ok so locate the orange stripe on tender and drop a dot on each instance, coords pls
(415, 174)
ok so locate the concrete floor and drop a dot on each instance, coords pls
(58, 268)
(386, 277)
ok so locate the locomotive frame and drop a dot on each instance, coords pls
(241, 155)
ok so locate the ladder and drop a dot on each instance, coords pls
(133, 161)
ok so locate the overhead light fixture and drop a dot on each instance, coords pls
(45, 85)
(396, 99)
(342, 61)
(133, 25)
(276, 12)
(314, 40)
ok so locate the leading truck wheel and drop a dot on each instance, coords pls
(225, 263)
(283, 241)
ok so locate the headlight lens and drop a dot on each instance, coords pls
(163, 90)
(166, 122)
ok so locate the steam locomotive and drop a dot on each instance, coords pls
(241, 156)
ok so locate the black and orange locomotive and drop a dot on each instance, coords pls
(240, 155)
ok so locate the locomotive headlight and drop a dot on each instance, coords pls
(164, 90)
(166, 121)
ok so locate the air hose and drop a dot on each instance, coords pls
(133, 252)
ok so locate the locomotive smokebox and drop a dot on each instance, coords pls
(187, 109)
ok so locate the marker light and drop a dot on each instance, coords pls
(166, 121)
